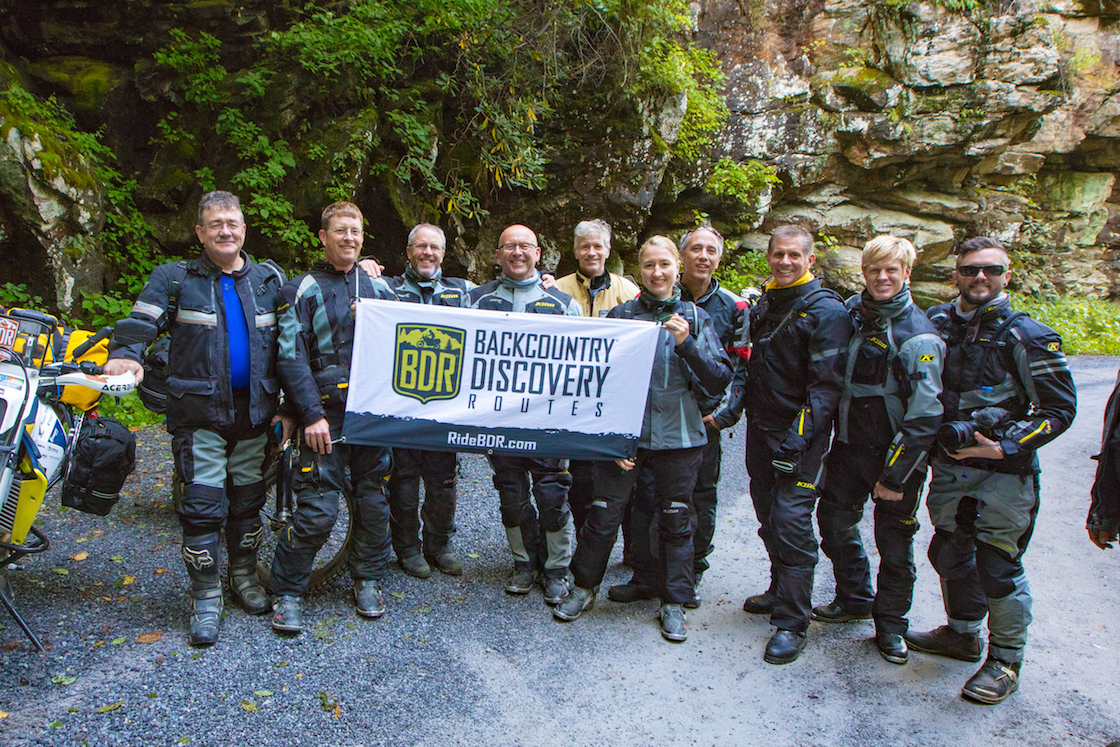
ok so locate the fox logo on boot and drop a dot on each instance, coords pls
(252, 540)
(198, 559)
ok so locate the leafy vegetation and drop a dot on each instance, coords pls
(126, 240)
(742, 182)
(446, 103)
(1088, 326)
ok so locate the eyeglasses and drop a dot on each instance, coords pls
(990, 271)
(710, 229)
(344, 232)
(429, 247)
(218, 225)
(511, 246)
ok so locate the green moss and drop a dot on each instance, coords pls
(87, 81)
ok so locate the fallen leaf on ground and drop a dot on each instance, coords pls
(110, 707)
(262, 693)
(161, 570)
(80, 556)
(60, 571)
(248, 705)
(152, 637)
(62, 679)
(119, 641)
(129, 580)
(116, 558)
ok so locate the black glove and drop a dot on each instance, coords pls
(790, 451)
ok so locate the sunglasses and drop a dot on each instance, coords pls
(971, 271)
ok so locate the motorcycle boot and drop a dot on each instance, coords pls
(200, 554)
(243, 538)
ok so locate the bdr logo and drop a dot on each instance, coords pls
(428, 362)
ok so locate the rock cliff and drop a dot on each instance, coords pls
(877, 117)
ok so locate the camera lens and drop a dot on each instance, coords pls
(956, 435)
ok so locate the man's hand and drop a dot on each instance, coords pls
(985, 448)
(371, 268)
(1102, 539)
(318, 436)
(882, 493)
(287, 425)
(625, 464)
(118, 366)
(548, 280)
(710, 421)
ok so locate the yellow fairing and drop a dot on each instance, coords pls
(31, 492)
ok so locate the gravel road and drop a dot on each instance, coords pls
(457, 661)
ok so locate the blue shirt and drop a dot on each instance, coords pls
(238, 329)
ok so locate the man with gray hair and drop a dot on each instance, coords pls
(594, 289)
(220, 312)
(423, 282)
(597, 292)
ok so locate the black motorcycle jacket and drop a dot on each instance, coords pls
(437, 291)
(198, 385)
(317, 336)
(728, 314)
(1104, 512)
(892, 384)
(792, 382)
(997, 357)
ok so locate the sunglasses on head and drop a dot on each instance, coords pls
(971, 271)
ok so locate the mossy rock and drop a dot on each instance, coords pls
(866, 87)
(88, 82)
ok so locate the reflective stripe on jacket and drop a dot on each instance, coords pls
(198, 386)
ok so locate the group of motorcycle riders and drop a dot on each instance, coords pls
(844, 400)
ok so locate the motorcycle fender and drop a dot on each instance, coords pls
(31, 492)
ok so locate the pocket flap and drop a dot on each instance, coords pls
(178, 387)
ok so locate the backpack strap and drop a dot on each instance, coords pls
(177, 279)
(800, 304)
(689, 312)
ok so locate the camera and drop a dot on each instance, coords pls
(959, 434)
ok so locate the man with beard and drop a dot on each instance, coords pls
(984, 492)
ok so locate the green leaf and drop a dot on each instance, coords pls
(62, 679)
(262, 693)
(118, 641)
(60, 571)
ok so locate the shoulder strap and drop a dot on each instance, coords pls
(277, 271)
(999, 342)
(800, 304)
(177, 279)
(689, 309)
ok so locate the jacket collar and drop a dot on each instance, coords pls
(686, 294)
(884, 310)
(514, 285)
(585, 281)
(414, 277)
(207, 267)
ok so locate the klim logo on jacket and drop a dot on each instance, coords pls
(428, 362)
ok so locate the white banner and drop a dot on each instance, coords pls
(434, 377)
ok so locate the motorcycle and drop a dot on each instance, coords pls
(44, 404)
